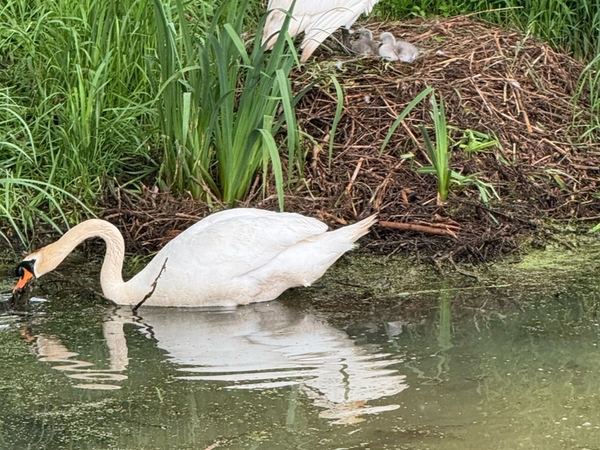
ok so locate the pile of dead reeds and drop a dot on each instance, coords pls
(493, 81)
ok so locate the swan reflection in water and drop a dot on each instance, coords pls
(264, 345)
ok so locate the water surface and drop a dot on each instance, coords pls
(372, 357)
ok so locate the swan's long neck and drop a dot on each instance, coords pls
(111, 278)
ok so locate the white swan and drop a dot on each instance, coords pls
(317, 19)
(393, 50)
(232, 257)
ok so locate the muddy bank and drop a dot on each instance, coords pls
(510, 102)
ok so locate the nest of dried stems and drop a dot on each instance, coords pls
(494, 81)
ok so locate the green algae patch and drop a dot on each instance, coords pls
(555, 269)
(581, 256)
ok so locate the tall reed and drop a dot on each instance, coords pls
(25, 201)
(588, 91)
(439, 155)
(221, 105)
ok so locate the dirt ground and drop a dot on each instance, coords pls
(510, 105)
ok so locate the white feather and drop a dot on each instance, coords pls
(317, 19)
(232, 257)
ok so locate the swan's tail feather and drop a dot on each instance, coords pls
(351, 233)
(364, 226)
(321, 251)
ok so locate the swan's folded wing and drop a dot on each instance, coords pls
(232, 247)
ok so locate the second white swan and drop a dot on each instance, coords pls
(232, 257)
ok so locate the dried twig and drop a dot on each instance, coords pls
(444, 229)
(153, 285)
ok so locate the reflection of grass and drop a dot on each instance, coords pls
(530, 365)
(445, 321)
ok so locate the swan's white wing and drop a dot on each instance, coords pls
(275, 21)
(339, 14)
(231, 245)
(229, 214)
(318, 19)
(312, 9)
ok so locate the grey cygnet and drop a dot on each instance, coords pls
(365, 45)
(393, 50)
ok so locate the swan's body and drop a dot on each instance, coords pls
(232, 257)
(365, 45)
(317, 19)
(393, 50)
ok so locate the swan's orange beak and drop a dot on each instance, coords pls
(25, 276)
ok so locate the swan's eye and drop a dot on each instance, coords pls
(25, 266)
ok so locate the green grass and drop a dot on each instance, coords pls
(81, 107)
(439, 155)
(88, 98)
(588, 90)
(24, 202)
(222, 102)
(566, 24)
(76, 106)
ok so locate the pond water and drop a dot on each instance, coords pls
(378, 355)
